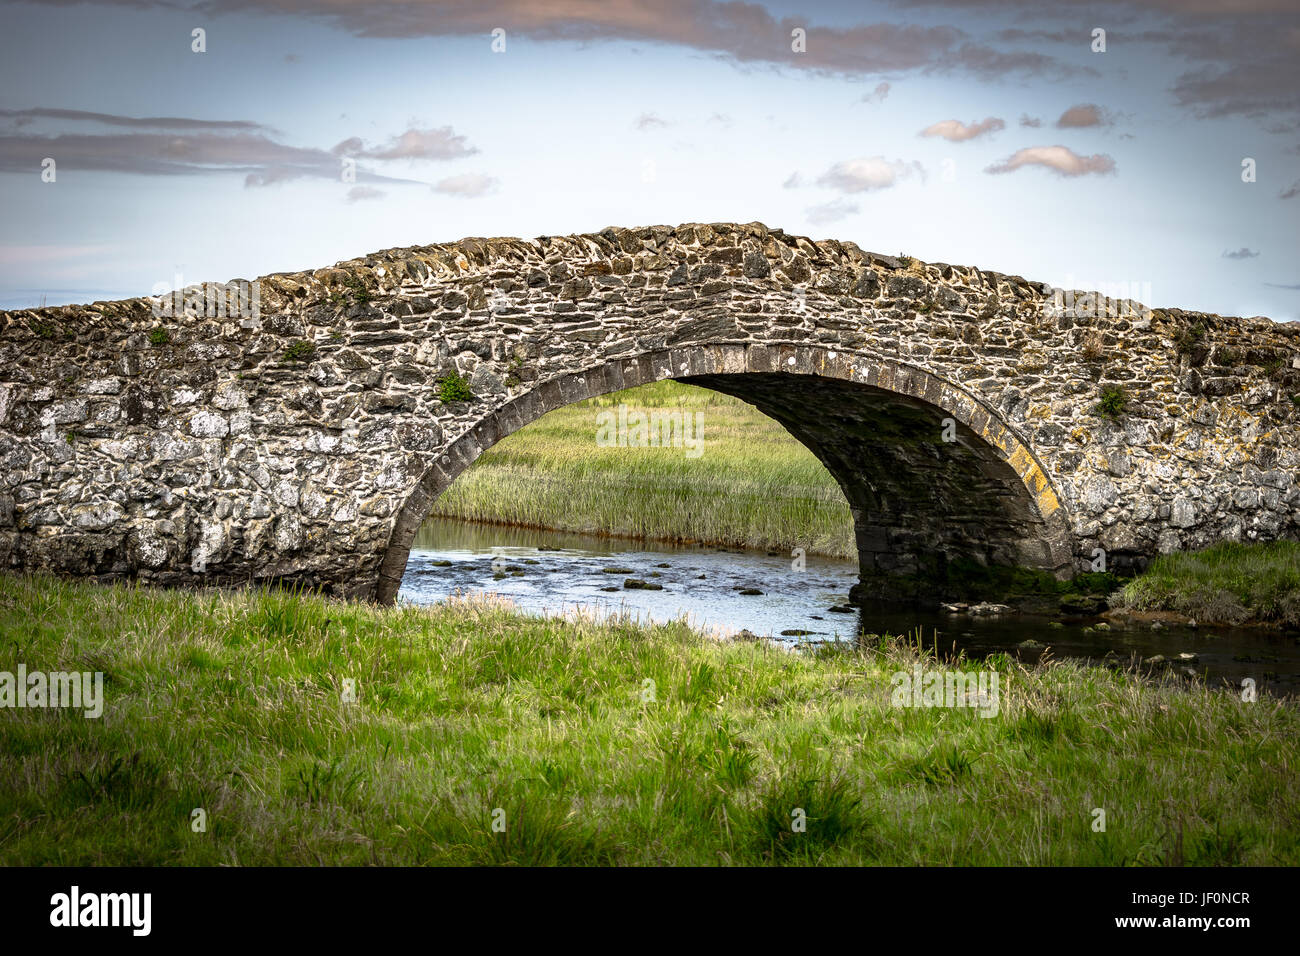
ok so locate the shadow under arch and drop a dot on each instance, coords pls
(921, 494)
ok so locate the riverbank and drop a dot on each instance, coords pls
(746, 484)
(1231, 583)
(596, 743)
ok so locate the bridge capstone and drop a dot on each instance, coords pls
(304, 435)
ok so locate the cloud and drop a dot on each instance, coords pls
(1030, 121)
(1249, 88)
(1280, 285)
(229, 149)
(365, 192)
(1242, 65)
(1291, 192)
(794, 182)
(1015, 34)
(832, 211)
(649, 121)
(1057, 158)
(164, 154)
(442, 143)
(1242, 253)
(466, 186)
(744, 32)
(866, 175)
(956, 132)
(30, 255)
(1084, 115)
(25, 117)
(1242, 52)
(877, 95)
(722, 119)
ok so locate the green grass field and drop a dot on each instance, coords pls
(753, 485)
(595, 743)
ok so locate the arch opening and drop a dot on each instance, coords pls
(934, 479)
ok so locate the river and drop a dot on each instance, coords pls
(548, 572)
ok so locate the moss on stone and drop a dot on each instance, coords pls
(299, 351)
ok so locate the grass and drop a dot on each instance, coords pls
(752, 486)
(1228, 583)
(595, 743)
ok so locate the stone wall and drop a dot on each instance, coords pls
(306, 439)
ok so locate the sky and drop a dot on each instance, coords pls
(1158, 158)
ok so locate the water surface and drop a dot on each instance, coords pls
(557, 573)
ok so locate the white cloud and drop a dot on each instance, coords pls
(867, 174)
(364, 192)
(956, 131)
(466, 186)
(832, 211)
(1064, 161)
(442, 143)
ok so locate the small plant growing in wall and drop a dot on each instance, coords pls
(1188, 338)
(1114, 400)
(512, 377)
(299, 351)
(45, 330)
(1092, 348)
(159, 336)
(357, 290)
(354, 292)
(454, 388)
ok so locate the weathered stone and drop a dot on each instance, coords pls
(1182, 513)
(96, 516)
(310, 444)
(757, 266)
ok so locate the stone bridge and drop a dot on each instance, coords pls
(298, 431)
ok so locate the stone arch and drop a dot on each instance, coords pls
(1025, 513)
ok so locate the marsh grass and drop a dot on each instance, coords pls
(1228, 583)
(233, 702)
(753, 486)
